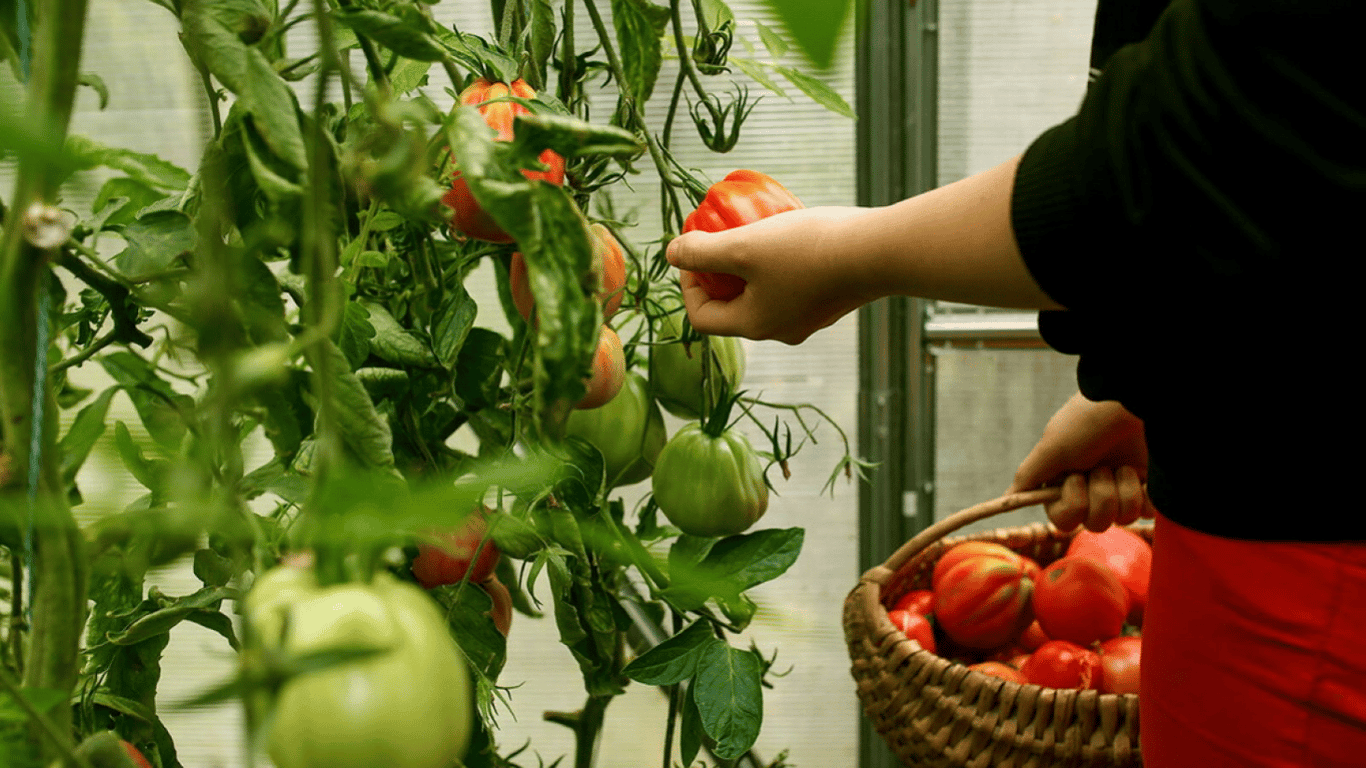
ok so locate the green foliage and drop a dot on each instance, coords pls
(304, 288)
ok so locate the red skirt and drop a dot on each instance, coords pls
(1254, 653)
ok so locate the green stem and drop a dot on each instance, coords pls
(58, 597)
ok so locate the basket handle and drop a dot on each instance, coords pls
(1007, 503)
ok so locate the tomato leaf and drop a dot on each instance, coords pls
(159, 406)
(84, 432)
(475, 54)
(572, 137)
(354, 334)
(468, 609)
(158, 243)
(479, 368)
(393, 342)
(750, 559)
(173, 612)
(639, 24)
(820, 92)
(677, 658)
(815, 26)
(691, 731)
(137, 166)
(729, 693)
(407, 37)
(451, 325)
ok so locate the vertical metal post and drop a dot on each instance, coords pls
(896, 87)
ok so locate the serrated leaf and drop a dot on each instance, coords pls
(676, 659)
(84, 432)
(476, 54)
(405, 37)
(363, 429)
(728, 688)
(750, 559)
(639, 25)
(146, 168)
(451, 324)
(164, 619)
(158, 405)
(716, 13)
(572, 137)
(691, 732)
(818, 91)
(151, 473)
(479, 367)
(157, 243)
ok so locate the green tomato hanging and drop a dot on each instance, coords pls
(710, 485)
(628, 431)
(676, 370)
(408, 707)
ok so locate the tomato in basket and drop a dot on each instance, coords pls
(1060, 664)
(998, 669)
(920, 601)
(1127, 554)
(915, 626)
(1080, 600)
(972, 549)
(984, 602)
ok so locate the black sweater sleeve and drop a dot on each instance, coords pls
(1214, 175)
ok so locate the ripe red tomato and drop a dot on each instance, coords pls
(1127, 554)
(915, 626)
(998, 669)
(741, 198)
(969, 549)
(447, 558)
(984, 602)
(1060, 664)
(135, 755)
(467, 217)
(1119, 657)
(1080, 600)
(920, 601)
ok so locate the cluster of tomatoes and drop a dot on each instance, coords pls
(1073, 624)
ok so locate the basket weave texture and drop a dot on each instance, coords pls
(935, 713)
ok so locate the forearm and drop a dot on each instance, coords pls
(954, 243)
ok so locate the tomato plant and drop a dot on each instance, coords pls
(1080, 600)
(287, 350)
(1127, 554)
(1061, 664)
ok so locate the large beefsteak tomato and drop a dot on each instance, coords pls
(710, 485)
(741, 198)
(1080, 600)
(1127, 554)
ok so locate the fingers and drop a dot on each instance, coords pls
(701, 252)
(1099, 499)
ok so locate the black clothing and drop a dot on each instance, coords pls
(1199, 218)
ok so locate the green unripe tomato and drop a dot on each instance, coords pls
(408, 707)
(710, 486)
(676, 371)
(628, 431)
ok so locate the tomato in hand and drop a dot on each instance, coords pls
(676, 368)
(468, 217)
(628, 431)
(710, 485)
(741, 198)
(1060, 664)
(1127, 554)
(1119, 657)
(914, 626)
(984, 602)
(449, 555)
(1080, 600)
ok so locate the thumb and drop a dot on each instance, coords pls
(699, 252)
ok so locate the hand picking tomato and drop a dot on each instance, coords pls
(609, 269)
(451, 554)
(628, 431)
(741, 198)
(468, 218)
(914, 626)
(710, 484)
(676, 369)
(1060, 664)
(1119, 657)
(984, 602)
(609, 371)
(1080, 600)
(1127, 554)
(969, 549)
(920, 601)
(409, 706)
(998, 669)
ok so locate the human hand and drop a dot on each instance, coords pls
(1096, 450)
(799, 277)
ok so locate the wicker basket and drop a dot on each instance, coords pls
(935, 713)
